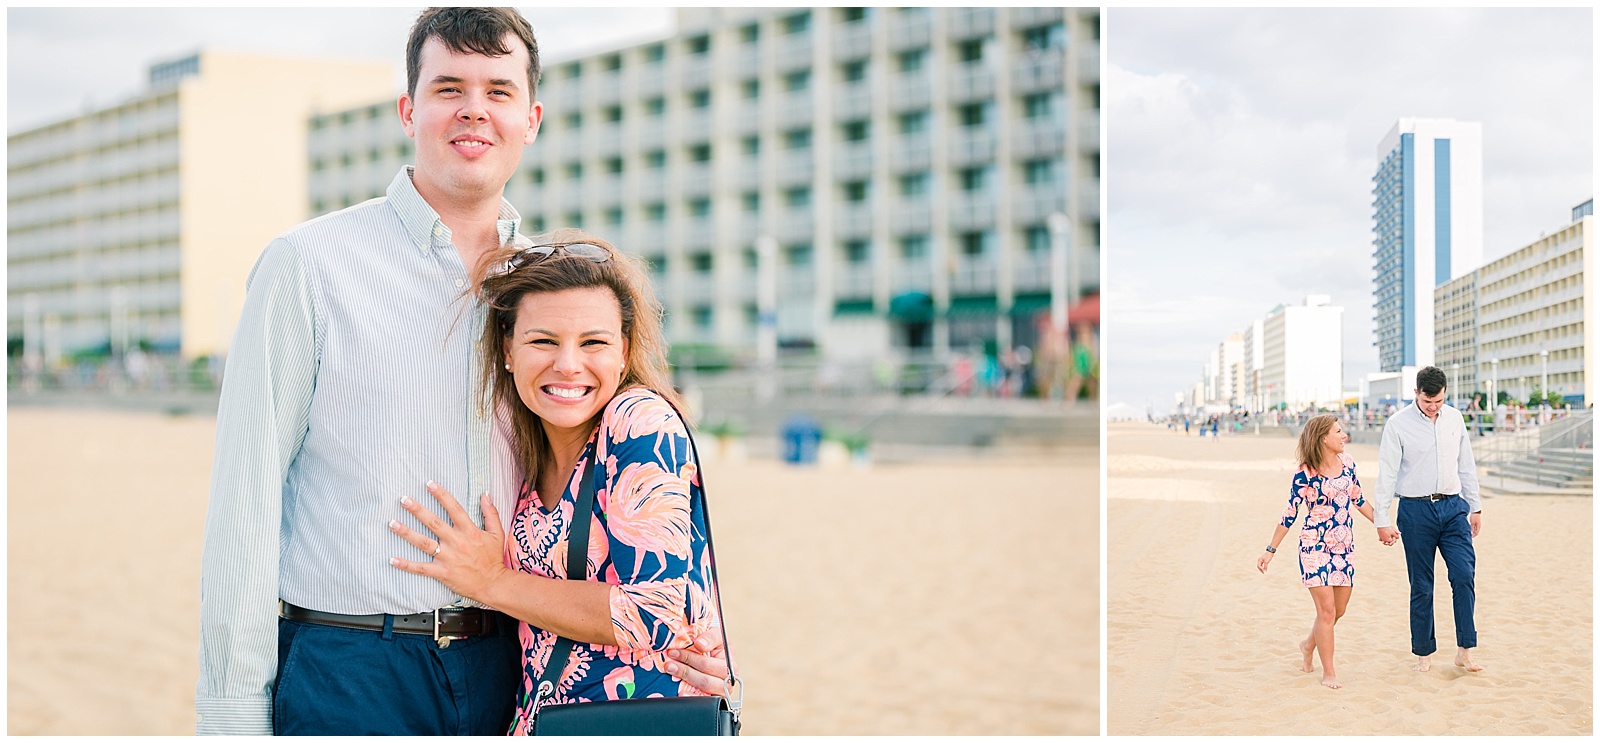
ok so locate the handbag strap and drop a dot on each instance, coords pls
(578, 563)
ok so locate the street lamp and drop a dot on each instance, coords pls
(1494, 385)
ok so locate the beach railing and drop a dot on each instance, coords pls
(1558, 454)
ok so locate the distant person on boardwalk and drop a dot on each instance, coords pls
(1425, 460)
(1327, 486)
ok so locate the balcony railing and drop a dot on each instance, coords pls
(971, 82)
(909, 29)
(972, 145)
(852, 40)
(853, 281)
(971, 23)
(1039, 69)
(852, 160)
(854, 100)
(853, 221)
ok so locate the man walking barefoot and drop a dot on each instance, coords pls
(1425, 460)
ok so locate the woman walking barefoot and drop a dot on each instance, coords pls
(1327, 486)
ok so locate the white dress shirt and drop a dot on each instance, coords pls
(1420, 457)
(351, 381)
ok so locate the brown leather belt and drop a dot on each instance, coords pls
(444, 625)
(1433, 497)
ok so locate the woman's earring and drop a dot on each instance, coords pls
(508, 367)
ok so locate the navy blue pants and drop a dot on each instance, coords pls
(1429, 526)
(338, 681)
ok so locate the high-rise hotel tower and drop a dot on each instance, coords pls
(1427, 223)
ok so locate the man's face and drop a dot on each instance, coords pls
(471, 115)
(1429, 405)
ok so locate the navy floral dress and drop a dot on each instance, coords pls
(1327, 541)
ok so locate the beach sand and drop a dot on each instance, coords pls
(939, 598)
(1200, 643)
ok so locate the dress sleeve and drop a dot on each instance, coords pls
(648, 525)
(1357, 500)
(1296, 497)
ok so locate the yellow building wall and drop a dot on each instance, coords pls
(1589, 317)
(243, 170)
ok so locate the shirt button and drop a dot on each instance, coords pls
(460, 283)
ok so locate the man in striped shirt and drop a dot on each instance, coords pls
(350, 383)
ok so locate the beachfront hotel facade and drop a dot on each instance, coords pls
(1521, 321)
(1427, 229)
(1284, 359)
(909, 174)
(134, 225)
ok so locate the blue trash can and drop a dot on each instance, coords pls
(802, 436)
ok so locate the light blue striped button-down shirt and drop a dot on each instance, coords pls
(351, 381)
(1419, 457)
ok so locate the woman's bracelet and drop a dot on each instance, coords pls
(1272, 549)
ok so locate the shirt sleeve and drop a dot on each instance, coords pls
(648, 525)
(1388, 473)
(261, 422)
(1296, 497)
(1469, 474)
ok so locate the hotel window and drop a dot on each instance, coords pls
(574, 71)
(1053, 36)
(750, 89)
(911, 60)
(575, 219)
(701, 262)
(854, 131)
(751, 145)
(851, 72)
(614, 216)
(574, 120)
(1037, 105)
(974, 244)
(1039, 172)
(913, 122)
(851, 15)
(797, 255)
(970, 51)
(797, 80)
(699, 207)
(795, 24)
(750, 201)
(574, 171)
(750, 33)
(537, 223)
(797, 197)
(914, 184)
(611, 62)
(656, 212)
(914, 247)
(797, 139)
(700, 98)
(698, 44)
(857, 251)
(972, 114)
(655, 53)
(1037, 238)
(614, 165)
(655, 106)
(973, 179)
(611, 114)
(699, 153)
(855, 191)
(702, 317)
(655, 159)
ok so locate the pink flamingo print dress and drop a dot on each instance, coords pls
(1327, 541)
(647, 540)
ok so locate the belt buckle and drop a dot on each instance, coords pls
(443, 640)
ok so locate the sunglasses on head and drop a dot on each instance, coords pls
(532, 255)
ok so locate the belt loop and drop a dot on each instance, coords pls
(388, 626)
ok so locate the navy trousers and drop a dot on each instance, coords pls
(338, 681)
(1426, 527)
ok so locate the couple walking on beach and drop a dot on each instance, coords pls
(417, 342)
(1424, 460)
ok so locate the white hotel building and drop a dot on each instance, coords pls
(905, 162)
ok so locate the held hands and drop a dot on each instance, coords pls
(466, 559)
(1388, 535)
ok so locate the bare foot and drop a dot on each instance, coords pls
(1464, 659)
(1423, 664)
(1330, 682)
(1306, 650)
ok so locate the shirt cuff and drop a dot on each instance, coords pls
(233, 716)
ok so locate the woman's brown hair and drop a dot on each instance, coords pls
(1309, 450)
(502, 293)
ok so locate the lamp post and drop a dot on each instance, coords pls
(1455, 377)
(1544, 382)
(1494, 383)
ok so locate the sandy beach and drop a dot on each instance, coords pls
(1200, 643)
(939, 598)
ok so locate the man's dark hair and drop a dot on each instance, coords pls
(1430, 380)
(471, 31)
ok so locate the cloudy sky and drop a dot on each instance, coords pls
(1240, 147)
(62, 62)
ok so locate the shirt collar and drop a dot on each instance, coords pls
(423, 225)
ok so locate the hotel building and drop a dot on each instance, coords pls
(897, 167)
(1303, 359)
(136, 224)
(1427, 229)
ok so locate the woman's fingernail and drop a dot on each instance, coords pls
(394, 525)
(432, 484)
(394, 561)
(405, 500)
